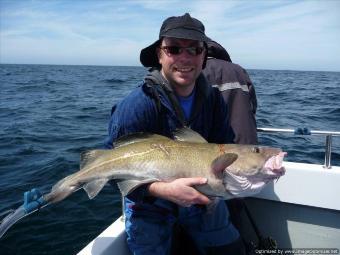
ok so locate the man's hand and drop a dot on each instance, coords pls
(180, 191)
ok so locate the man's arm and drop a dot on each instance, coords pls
(136, 113)
(180, 191)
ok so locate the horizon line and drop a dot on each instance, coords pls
(140, 66)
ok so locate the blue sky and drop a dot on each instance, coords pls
(291, 35)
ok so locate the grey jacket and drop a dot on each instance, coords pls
(239, 93)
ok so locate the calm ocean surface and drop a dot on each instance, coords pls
(50, 114)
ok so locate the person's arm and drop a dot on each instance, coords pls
(252, 93)
(180, 191)
(136, 113)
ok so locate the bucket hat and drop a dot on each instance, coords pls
(183, 27)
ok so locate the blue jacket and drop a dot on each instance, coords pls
(138, 112)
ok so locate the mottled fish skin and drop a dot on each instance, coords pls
(145, 158)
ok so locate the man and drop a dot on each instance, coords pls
(175, 94)
(237, 90)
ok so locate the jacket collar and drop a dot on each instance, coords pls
(154, 80)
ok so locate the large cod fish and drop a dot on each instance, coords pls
(231, 170)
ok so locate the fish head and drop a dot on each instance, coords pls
(253, 169)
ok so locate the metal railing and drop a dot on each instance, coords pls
(306, 131)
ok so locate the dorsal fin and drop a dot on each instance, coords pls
(88, 157)
(186, 134)
(137, 138)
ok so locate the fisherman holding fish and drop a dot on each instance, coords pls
(172, 155)
(175, 94)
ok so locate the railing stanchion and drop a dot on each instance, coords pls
(328, 152)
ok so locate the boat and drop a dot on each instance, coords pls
(300, 212)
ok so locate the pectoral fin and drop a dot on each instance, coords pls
(127, 186)
(93, 188)
(221, 163)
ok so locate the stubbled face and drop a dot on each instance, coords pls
(181, 70)
(255, 167)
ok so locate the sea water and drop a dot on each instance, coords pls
(49, 114)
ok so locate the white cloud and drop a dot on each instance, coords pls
(265, 34)
(94, 52)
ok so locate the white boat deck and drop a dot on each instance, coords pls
(306, 212)
(110, 241)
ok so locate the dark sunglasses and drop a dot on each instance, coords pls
(176, 50)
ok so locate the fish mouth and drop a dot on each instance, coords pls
(242, 186)
(273, 166)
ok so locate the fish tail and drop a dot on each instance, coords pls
(61, 190)
(58, 194)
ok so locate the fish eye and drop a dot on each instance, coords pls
(256, 149)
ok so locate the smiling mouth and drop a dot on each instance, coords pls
(184, 69)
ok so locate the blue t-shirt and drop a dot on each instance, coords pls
(186, 103)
